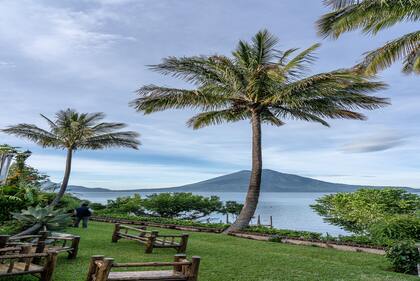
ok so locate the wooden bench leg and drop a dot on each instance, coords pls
(40, 248)
(178, 258)
(115, 235)
(104, 270)
(92, 267)
(193, 274)
(183, 244)
(49, 267)
(150, 242)
(75, 247)
(3, 240)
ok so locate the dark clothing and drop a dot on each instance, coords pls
(82, 213)
(84, 224)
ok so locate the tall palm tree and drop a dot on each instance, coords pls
(373, 16)
(263, 85)
(71, 131)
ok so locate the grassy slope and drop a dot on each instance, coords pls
(226, 258)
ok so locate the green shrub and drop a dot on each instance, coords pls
(404, 256)
(125, 205)
(8, 205)
(10, 227)
(97, 206)
(285, 232)
(181, 205)
(394, 228)
(161, 220)
(67, 203)
(358, 211)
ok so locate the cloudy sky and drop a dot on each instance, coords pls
(91, 56)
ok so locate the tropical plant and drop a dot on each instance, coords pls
(47, 217)
(181, 205)
(358, 211)
(21, 174)
(71, 131)
(404, 256)
(231, 208)
(263, 85)
(395, 228)
(373, 16)
(127, 204)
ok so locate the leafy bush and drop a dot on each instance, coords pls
(126, 205)
(358, 211)
(184, 222)
(181, 205)
(285, 232)
(398, 227)
(97, 206)
(49, 218)
(10, 227)
(68, 202)
(404, 256)
(9, 204)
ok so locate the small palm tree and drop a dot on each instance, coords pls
(263, 85)
(373, 16)
(71, 131)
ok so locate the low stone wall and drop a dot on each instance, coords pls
(250, 235)
(331, 244)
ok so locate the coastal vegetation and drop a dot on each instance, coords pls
(72, 131)
(264, 85)
(373, 16)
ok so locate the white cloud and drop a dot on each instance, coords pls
(379, 141)
(63, 37)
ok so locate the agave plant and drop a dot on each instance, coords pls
(49, 218)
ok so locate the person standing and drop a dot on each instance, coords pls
(82, 214)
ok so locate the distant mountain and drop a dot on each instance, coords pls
(272, 181)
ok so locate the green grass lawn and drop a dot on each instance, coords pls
(226, 258)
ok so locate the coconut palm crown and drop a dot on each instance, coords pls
(71, 131)
(372, 16)
(263, 85)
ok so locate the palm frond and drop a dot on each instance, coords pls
(154, 98)
(406, 47)
(370, 15)
(263, 44)
(35, 134)
(217, 117)
(299, 64)
(117, 139)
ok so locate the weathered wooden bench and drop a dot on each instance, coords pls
(152, 239)
(44, 243)
(20, 261)
(100, 269)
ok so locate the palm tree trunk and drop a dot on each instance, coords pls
(253, 194)
(36, 227)
(66, 178)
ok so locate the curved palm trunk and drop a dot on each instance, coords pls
(36, 227)
(66, 178)
(253, 194)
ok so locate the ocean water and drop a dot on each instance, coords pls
(289, 210)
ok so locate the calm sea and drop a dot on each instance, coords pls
(290, 210)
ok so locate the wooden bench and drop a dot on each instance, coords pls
(152, 239)
(100, 269)
(19, 261)
(43, 243)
